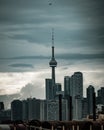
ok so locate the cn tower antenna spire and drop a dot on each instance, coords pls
(52, 36)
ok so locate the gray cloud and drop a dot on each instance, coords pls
(79, 56)
(7, 99)
(21, 65)
(74, 23)
(29, 57)
(27, 63)
(67, 56)
(32, 90)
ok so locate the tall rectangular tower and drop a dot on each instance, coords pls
(67, 90)
(49, 89)
(76, 85)
(90, 91)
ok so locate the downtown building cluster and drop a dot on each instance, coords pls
(39, 109)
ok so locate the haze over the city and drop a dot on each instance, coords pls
(25, 44)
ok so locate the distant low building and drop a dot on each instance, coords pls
(1, 106)
(16, 110)
(100, 109)
(29, 109)
(5, 115)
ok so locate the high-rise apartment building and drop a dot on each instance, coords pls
(24, 110)
(100, 93)
(84, 108)
(90, 92)
(49, 89)
(76, 87)
(67, 89)
(36, 109)
(16, 110)
(1, 106)
(29, 109)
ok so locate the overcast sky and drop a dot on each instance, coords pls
(25, 43)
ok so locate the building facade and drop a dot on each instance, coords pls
(100, 93)
(25, 110)
(58, 87)
(67, 89)
(16, 110)
(29, 109)
(1, 106)
(90, 92)
(84, 108)
(76, 86)
(49, 89)
(53, 110)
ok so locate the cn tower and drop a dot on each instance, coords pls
(53, 62)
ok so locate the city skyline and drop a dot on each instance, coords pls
(25, 44)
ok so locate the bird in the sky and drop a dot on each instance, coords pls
(50, 3)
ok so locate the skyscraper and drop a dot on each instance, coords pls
(67, 91)
(76, 86)
(49, 89)
(90, 91)
(101, 95)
